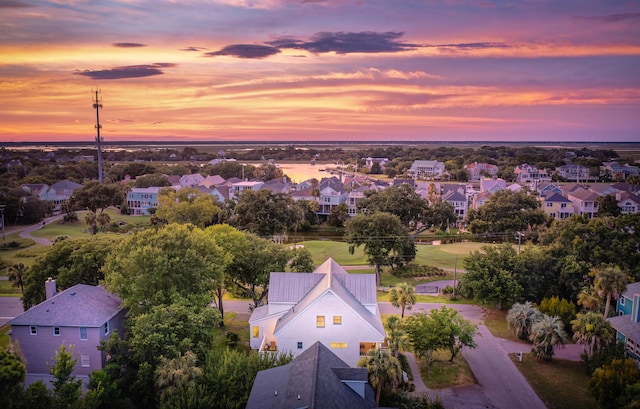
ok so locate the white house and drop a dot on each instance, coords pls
(526, 173)
(329, 305)
(426, 169)
(477, 170)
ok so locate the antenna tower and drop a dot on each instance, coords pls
(97, 104)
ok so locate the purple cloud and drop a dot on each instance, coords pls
(11, 4)
(469, 46)
(131, 71)
(128, 45)
(193, 49)
(346, 43)
(611, 18)
(245, 51)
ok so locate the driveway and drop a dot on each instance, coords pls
(10, 307)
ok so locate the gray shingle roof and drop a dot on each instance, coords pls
(311, 380)
(625, 325)
(79, 306)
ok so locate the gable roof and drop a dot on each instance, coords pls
(313, 379)
(79, 306)
(556, 198)
(355, 290)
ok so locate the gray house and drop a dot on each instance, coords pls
(316, 378)
(82, 316)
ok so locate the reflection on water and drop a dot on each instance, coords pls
(299, 172)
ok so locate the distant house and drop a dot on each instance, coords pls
(557, 206)
(628, 202)
(212, 180)
(382, 162)
(619, 172)
(526, 173)
(141, 199)
(627, 321)
(191, 180)
(574, 172)
(81, 316)
(585, 202)
(458, 201)
(478, 170)
(37, 189)
(329, 305)
(492, 185)
(59, 193)
(237, 188)
(426, 169)
(317, 378)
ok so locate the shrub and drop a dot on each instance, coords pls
(415, 270)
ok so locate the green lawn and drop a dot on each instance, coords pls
(6, 289)
(445, 374)
(442, 256)
(560, 384)
(496, 322)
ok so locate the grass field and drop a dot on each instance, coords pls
(445, 374)
(442, 256)
(560, 384)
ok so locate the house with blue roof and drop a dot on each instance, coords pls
(627, 321)
(82, 316)
(329, 306)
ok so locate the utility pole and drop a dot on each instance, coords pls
(97, 104)
(2, 207)
(455, 270)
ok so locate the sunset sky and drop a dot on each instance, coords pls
(320, 70)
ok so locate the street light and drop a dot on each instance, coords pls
(2, 212)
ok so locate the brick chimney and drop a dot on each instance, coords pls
(50, 287)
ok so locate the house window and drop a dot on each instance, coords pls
(106, 328)
(84, 360)
(33, 330)
(338, 345)
(299, 344)
(256, 331)
(320, 321)
(56, 331)
(621, 300)
(337, 320)
(83, 333)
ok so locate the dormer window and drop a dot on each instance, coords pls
(33, 330)
(56, 331)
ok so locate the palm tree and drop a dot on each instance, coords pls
(403, 296)
(521, 318)
(589, 299)
(383, 368)
(174, 374)
(609, 281)
(396, 335)
(103, 220)
(546, 333)
(92, 221)
(17, 275)
(593, 331)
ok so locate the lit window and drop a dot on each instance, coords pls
(320, 321)
(106, 328)
(337, 320)
(56, 331)
(256, 331)
(33, 330)
(83, 333)
(338, 345)
(299, 345)
(84, 360)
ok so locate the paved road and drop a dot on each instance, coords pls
(10, 307)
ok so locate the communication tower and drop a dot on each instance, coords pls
(97, 104)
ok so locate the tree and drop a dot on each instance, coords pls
(70, 262)
(159, 266)
(103, 221)
(173, 375)
(12, 376)
(592, 331)
(251, 268)
(590, 300)
(456, 331)
(265, 213)
(96, 196)
(609, 281)
(188, 205)
(401, 200)
(152, 180)
(490, 275)
(267, 172)
(384, 239)
(338, 215)
(403, 296)
(170, 330)
(396, 335)
(17, 274)
(546, 333)
(608, 206)
(383, 369)
(301, 260)
(560, 307)
(507, 211)
(521, 318)
(424, 335)
(608, 383)
(440, 214)
(66, 388)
